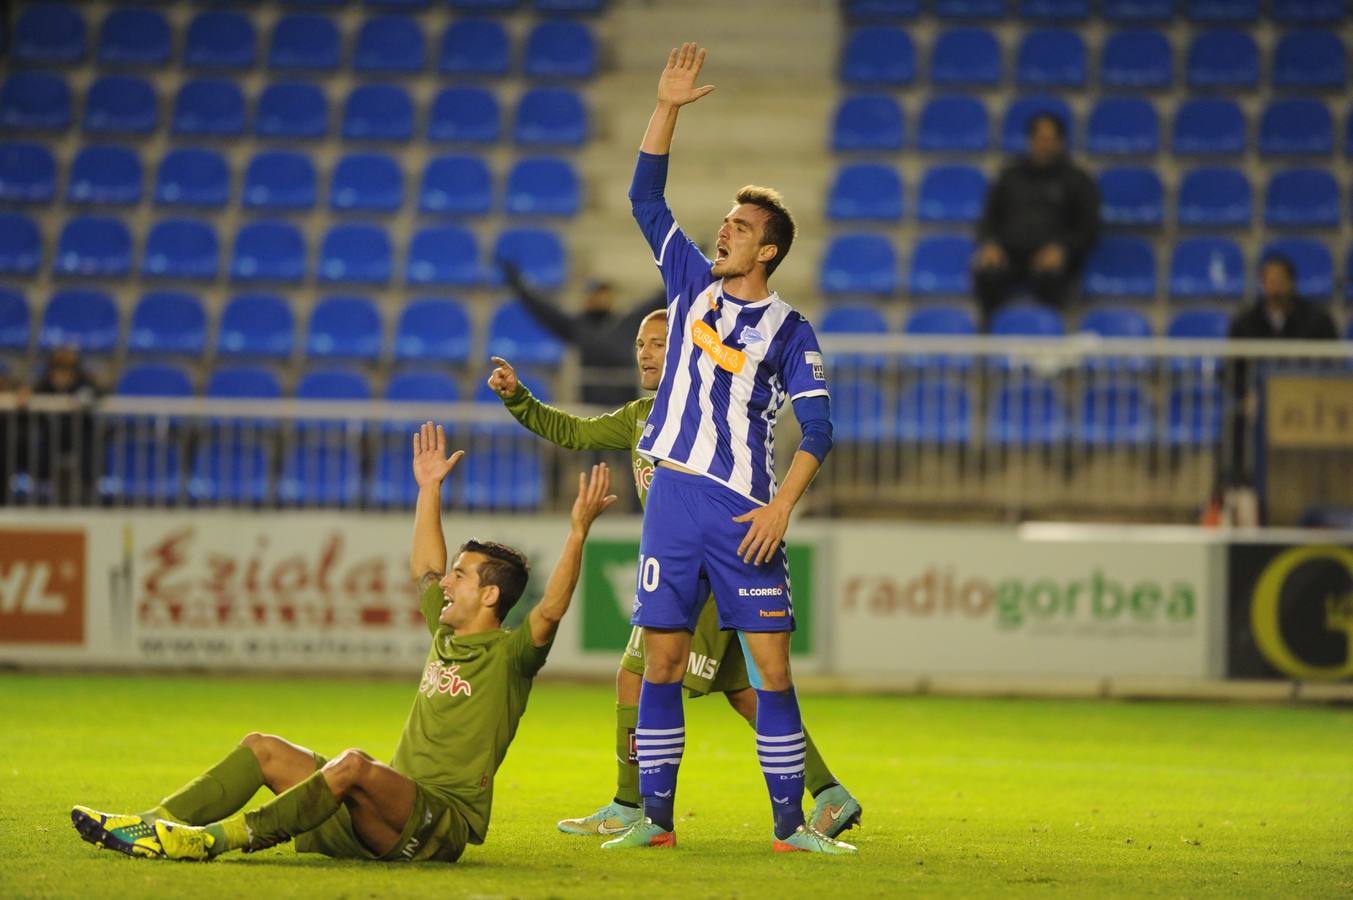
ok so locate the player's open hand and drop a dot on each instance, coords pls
(593, 498)
(769, 524)
(431, 465)
(677, 84)
(503, 380)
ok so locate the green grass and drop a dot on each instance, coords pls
(962, 797)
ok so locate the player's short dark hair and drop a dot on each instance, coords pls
(1283, 262)
(1057, 124)
(780, 228)
(505, 568)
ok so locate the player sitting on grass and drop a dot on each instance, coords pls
(436, 795)
(722, 664)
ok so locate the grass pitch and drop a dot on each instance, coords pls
(962, 797)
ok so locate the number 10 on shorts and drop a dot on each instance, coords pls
(649, 573)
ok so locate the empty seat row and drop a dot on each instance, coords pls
(1127, 11)
(121, 104)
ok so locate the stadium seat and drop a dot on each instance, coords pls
(34, 100)
(865, 191)
(1223, 58)
(323, 468)
(1121, 266)
(857, 411)
(560, 49)
(1027, 320)
(1310, 60)
(1296, 127)
(366, 182)
(1194, 415)
(1051, 58)
(1302, 198)
(474, 47)
(1209, 127)
(464, 115)
(15, 321)
(954, 193)
(391, 480)
(867, 122)
(168, 322)
(517, 335)
(882, 9)
(80, 318)
(389, 44)
(1115, 323)
(967, 57)
(138, 468)
(508, 476)
(880, 55)
(268, 251)
(96, 246)
(443, 254)
(969, 9)
(1137, 10)
(219, 40)
(1313, 262)
(859, 264)
(27, 173)
(1027, 414)
(1348, 279)
(545, 186)
(484, 6)
(355, 254)
(378, 112)
(344, 328)
(537, 252)
(1022, 109)
(190, 176)
(935, 411)
(941, 266)
(399, 4)
(571, 7)
(939, 319)
(134, 37)
(1132, 197)
(421, 386)
(1199, 324)
(119, 104)
(1215, 198)
(850, 319)
(292, 109)
(1123, 126)
(49, 33)
(1207, 268)
(333, 384)
(458, 185)
(181, 248)
(1244, 12)
(1307, 11)
(1115, 415)
(435, 330)
(304, 42)
(231, 470)
(243, 383)
(210, 108)
(104, 175)
(20, 244)
(1054, 10)
(256, 325)
(953, 124)
(280, 179)
(1138, 59)
(550, 116)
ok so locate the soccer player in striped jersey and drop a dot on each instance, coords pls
(714, 518)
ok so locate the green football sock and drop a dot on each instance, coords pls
(816, 776)
(304, 808)
(627, 767)
(218, 792)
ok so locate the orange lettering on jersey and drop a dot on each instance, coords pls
(707, 339)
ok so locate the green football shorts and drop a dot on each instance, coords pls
(716, 664)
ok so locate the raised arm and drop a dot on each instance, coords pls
(593, 498)
(430, 468)
(613, 431)
(676, 88)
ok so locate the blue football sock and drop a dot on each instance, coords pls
(780, 747)
(660, 740)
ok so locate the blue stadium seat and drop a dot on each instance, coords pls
(20, 244)
(399, 4)
(191, 176)
(968, 57)
(168, 322)
(134, 37)
(1194, 415)
(953, 124)
(935, 411)
(344, 328)
(231, 470)
(879, 55)
(256, 325)
(333, 384)
(1022, 109)
(292, 109)
(1215, 198)
(1314, 264)
(865, 191)
(1051, 58)
(27, 173)
(560, 49)
(324, 468)
(550, 116)
(517, 335)
(882, 9)
(1140, 59)
(366, 182)
(867, 122)
(459, 185)
(391, 480)
(1121, 266)
(1116, 323)
(484, 6)
(181, 248)
(34, 100)
(421, 386)
(1027, 320)
(1207, 268)
(243, 383)
(95, 246)
(1115, 415)
(857, 411)
(1223, 58)
(850, 319)
(209, 107)
(953, 193)
(49, 33)
(1296, 127)
(1025, 414)
(1307, 11)
(474, 47)
(1054, 10)
(939, 319)
(304, 42)
(356, 254)
(570, 7)
(969, 9)
(378, 112)
(1348, 277)
(141, 469)
(465, 115)
(1134, 11)
(85, 319)
(104, 175)
(1309, 60)
(1302, 198)
(268, 251)
(543, 186)
(1123, 126)
(1209, 127)
(1131, 197)
(389, 44)
(941, 266)
(435, 330)
(15, 322)
(859, 264)
(119, 104)
(443, 254)
(221, 40)
(537, 252)
(1199, 324)
(1244, 12)
(280, 179)
(510, 475)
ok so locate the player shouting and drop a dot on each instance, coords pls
(436, 794)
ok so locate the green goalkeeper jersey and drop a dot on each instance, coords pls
(472, 696)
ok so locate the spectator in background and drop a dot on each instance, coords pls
(1279, 312)
(65, 441)
(1040, 221)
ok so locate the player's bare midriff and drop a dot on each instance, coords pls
(671, 465)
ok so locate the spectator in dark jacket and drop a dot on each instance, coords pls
(65, 441)
(1040, 221)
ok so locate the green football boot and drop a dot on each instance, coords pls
(642, 834)
(187, 842)
(835, 811)
(807, 839)
(127, 834)
(610, 819)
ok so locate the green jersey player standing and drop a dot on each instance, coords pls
(717, 661)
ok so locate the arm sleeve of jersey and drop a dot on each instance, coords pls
(527, 658)
(815, 420)
(801, 363)
(685, 270)
(613, 431)
(430, 599)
